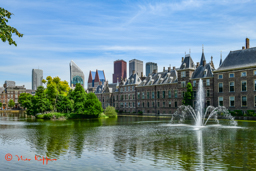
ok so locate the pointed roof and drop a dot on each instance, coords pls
(97, 79)
(220, 59)
(202, 57)
(187, 63)
(90, 77)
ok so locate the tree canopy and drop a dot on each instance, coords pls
(11, 103)
(6, 31)
(188, 98)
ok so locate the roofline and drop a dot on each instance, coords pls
(231, 69)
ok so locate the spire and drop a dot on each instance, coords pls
(220, 57)
(202, 57)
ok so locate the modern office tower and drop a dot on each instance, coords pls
(150, 67)
(9, 84)
(37, 77)
(76, 75)
(95, 78)
(120, 70)
(135, 65)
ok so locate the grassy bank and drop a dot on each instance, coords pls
(64, 116)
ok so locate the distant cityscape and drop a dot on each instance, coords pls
(233, 84)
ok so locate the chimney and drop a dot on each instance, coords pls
(243, 47)
(141, 74)
(197, 64)
(174, 68)
(182, 59)
(204, 63)
(169, 69)
(133, 72)
(247, 43)
(163, 69)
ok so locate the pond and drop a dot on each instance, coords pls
(125, 143)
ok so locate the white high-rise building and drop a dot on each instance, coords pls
(37, 77)
(76, 74)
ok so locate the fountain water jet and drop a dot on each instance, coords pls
(198, 114)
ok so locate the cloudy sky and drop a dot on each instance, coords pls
(95, 33)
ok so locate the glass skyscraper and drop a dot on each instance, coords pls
(150, 67)
(37, 77)
(76, 75)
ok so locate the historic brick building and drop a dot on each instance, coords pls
(233, 85)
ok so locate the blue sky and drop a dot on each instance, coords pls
(95, 33)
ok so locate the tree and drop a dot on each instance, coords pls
(92, 105)
(188, 98)
(1, 104)
(79, 96)
(11, 103)
(25, 100)
(6, 31)
(55, 87)
(64, 104)
(39, 102)
(110, 111)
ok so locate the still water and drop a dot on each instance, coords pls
(125, 143)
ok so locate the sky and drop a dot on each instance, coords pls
(96, 33)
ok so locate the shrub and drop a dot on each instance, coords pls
(250, 112)
(140, 113)
(102, 115)
(40, 116)
(238, 112)
(110, 111)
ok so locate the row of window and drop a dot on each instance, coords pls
(232, 101)
(129, 88)
(164, 104)
(232, 75)
(183, 83)
(232, 86)
(151, 95)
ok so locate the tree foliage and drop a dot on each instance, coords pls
(25, 100)
(6, 31)
(79, 96)
(188, 98)
(92, 105)
(110, 111)
(11, 103)
(1, 104)
(55, 87)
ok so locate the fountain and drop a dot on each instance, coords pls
(201, 118)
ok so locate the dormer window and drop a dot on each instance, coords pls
(183, 74)
(205, 72)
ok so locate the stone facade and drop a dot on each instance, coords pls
(233, 85)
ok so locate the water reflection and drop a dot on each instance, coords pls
(133, 142)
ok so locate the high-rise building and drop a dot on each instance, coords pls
(96, 78)
(120, 70)
(37, 77)
(135, 65)
(150, 67)
(76, 75)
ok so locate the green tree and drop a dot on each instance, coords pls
(188, 98)
(1, 104)
(11, 103)
(25, 100)
(64, 104)
(110, 111)
(92, 105)
(55, 87)
(6, 31)
(79, 96)
(39, 102)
